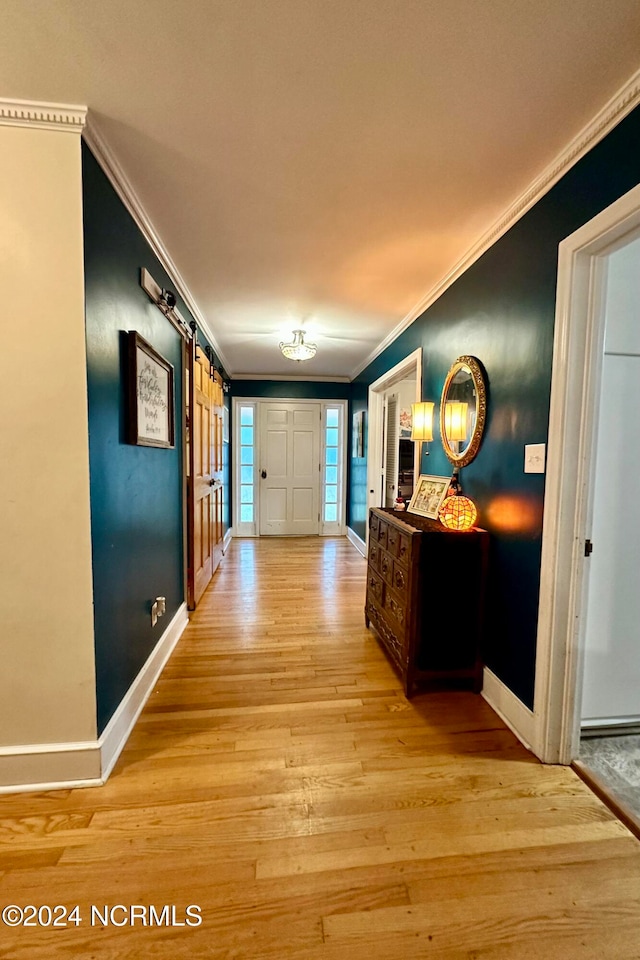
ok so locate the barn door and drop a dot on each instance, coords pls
(204, 501)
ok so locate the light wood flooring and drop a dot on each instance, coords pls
(279, 780)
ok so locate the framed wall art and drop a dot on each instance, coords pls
(428, 494)
(150, 392)
(358, 435)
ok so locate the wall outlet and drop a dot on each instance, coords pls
(162, 606)
(534, 457)
(154, 613)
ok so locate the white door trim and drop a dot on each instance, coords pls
(252, 530)
(577, 360)
(410, 365)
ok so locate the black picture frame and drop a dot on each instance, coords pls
(150, 391)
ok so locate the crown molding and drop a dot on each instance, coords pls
(287, 377)
(122, 185)
(44, 116)
(622, 103)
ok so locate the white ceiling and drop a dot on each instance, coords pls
(322, 163)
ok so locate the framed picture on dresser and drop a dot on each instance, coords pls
(428, 494)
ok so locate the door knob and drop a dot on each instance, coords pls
(263, 474)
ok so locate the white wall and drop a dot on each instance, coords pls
(406, 391)
(47, 678)
(612, 641)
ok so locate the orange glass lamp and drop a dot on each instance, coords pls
(455, 420)
(458, 513)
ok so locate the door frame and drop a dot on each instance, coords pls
(575, 392)
(410, 365)
(235, 472)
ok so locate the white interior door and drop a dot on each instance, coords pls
(289, 468)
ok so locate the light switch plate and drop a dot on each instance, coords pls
(534, 456)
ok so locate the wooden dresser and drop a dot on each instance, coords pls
(425, 598)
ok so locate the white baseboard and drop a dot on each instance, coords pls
(228, 537)
(49, 766)
(62, 766)
(357, 541)
(117, 731)
(510, 709)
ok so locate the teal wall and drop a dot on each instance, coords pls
(292, 389)
(501, 310)
(136, 492)
(357, 504)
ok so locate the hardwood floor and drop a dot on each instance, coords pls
(279, 780)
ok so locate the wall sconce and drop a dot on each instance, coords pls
(422, 422)
(455, 420)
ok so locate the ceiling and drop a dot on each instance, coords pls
(322, 163)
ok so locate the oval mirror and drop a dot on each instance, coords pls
(463, 410)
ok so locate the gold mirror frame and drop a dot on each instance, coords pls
(477, 374)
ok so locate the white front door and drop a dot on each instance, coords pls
(289, 468)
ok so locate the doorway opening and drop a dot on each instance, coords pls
(394, 460)
(587, 608)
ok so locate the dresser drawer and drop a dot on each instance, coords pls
(399, 544)
(385, 566)
(382, 533)
(395, 610)
(375, 588)
(403, 549)
(400, 580)
(374, 555)
(393, 643)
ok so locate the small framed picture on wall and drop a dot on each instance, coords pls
(150, 392)
(358, 435)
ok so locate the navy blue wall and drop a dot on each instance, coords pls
(502, 311)
(292, 389)
(136, 492)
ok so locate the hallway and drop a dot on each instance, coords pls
(279, 780)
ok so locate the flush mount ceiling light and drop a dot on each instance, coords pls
(298, 349)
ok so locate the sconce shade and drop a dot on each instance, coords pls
(422, 421)
(455, 420)
(458, 513)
